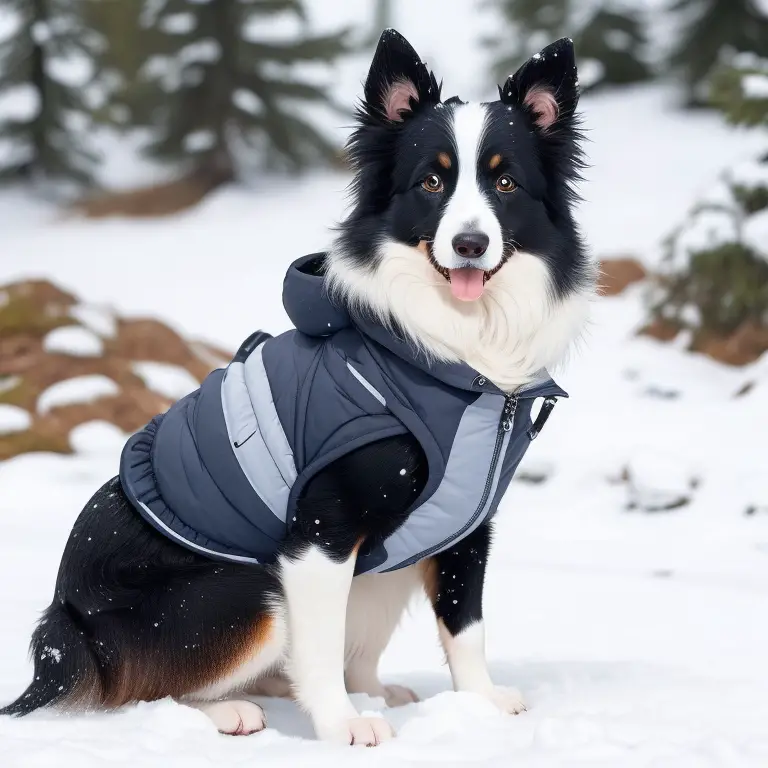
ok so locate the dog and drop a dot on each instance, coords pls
(351, 464)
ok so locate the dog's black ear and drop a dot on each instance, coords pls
(547, 85)
(398, 82)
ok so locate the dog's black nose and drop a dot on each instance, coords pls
(470, 245)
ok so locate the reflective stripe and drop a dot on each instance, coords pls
(256, 434)
(367, 384)
(187, 543)
(458, 496)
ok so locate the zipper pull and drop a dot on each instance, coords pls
(508, 413)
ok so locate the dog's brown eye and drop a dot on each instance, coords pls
(433, 183)
(506, 183)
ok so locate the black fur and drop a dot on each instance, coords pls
(460, 575)
(136, 616)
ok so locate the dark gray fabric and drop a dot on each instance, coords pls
(221, 471)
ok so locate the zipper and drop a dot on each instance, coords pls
(506, 421)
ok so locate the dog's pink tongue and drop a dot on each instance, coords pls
(468, 283)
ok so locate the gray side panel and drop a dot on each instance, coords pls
(168, 531)
(458, 502)
(256, 433)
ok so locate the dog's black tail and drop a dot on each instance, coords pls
(66, 670)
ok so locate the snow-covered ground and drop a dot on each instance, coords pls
(639, 638)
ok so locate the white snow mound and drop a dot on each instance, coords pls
(172, 381)
(73, 340)
(80, 389)
(13, 419)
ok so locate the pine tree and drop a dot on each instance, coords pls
(125, 40)
(609, 37)
(225, 84)
(715, 279)
(714, 28)
(45, 65)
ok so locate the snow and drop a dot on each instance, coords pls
(280, 27)
(199, 141)
(41, 32)
(638, 638)
(74, 70)
(755, 86)
(13, 419)
(178, 23)
(705, 229)
(79, 389)
(755, 232)
(248, 101)
(98, 319)
(8, 382)
(19, 103)
(749, 174)
(591, 72)
(97, 437)
(657, 481)
(201, 51)
(10, 21)
(173, 381)
(73, 340)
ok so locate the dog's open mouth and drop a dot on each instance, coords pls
(467, 283)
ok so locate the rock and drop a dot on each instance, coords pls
(616, 275)
(661, 330)
(151, 340)
(745, 345)
(658, 482)
(30, 311)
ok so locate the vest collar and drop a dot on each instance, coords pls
(312, 312)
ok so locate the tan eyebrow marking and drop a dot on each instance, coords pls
(494, 162)
(444, 159)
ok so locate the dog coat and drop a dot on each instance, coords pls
(221, 470)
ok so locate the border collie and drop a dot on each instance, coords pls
(265, 535)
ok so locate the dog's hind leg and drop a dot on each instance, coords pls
(376, 605)
(221, 700)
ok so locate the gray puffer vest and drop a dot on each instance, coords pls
(221, 470)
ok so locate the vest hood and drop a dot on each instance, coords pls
(312, 312)
(307, 302)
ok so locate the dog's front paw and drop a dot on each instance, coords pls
(399, 696)
(357, 731)
(508, 700)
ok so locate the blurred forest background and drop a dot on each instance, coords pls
(197, 94)
(214, 91)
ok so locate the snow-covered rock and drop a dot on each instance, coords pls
(100, 320)
(73, 340)
(658, 481)
(13, 419)
(80, 389)
(97, 438)
(172, 381)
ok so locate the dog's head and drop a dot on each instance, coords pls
(462, 232)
